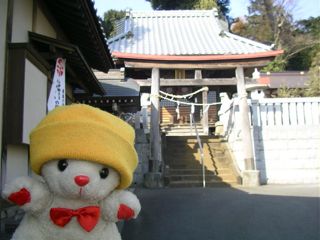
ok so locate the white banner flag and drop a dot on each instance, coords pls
(57, 92)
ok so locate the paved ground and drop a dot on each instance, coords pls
(264, 213)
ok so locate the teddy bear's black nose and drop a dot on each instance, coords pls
(81, 180)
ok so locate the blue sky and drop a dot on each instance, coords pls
(302, 10)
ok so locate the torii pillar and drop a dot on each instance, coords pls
(153, 179)
(250, 176)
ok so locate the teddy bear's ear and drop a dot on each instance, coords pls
(62, 164)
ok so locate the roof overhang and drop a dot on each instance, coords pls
(195, 58)
(197, 61)
(190, 82)
(256, 86)
(81, 25)
(50, 49)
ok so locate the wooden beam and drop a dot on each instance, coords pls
(197, 65)
(198, 74)
(155, 121)
(244, 121)
(190, 82)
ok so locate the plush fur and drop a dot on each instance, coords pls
(58, 189)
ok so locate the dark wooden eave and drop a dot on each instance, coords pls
(190, 82)
(105, 101)
(78, 19)
(47, 46)
(229, 64)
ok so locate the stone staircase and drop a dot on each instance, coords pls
(181, 130)
(183, 162)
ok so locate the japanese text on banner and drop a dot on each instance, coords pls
(57, 92)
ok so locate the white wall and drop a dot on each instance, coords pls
(288, 154)
(21, 20)
(3, 35)
(17, 162)
(26, 19)
(42, 25)
(35, 98)
(286, 135)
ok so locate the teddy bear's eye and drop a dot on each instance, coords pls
(62, 165)
(104, 172)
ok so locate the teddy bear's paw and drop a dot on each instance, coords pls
(128, 205)
(125, 212)
(18, 191)
(121, 205)
(21, 197)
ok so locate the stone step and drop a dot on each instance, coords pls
(212, 183)
(208, 139)
(195, 159)
(208, 167)
(184, 134)
(198, 177)
(193, 153)
(212, 146)
(192, 161)
(183, 158)
(190, 171)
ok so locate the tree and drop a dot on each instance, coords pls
(270, 22)
(285, 92)
(222, 5)
(308, 28)
(313, 89)
(110, 20)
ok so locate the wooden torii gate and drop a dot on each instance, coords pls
(250, 175)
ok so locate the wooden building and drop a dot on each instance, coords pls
(34, 33)
(191, 49)
(122, 96)
(182, 51)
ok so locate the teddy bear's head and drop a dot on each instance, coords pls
(102, 144)
(78, 179)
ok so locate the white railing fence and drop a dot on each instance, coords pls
(285, 111)
(271, 112)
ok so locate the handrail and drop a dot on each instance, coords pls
(192, 122)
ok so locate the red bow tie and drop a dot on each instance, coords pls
(87, 216)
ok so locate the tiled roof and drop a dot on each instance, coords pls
(117, 88)
(290, 79)
(180, 33)
(115, 85)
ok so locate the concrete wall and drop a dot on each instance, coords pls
(35, 99)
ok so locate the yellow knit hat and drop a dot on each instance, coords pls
(86, 133)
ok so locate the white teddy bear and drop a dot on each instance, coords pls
(86, 158)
